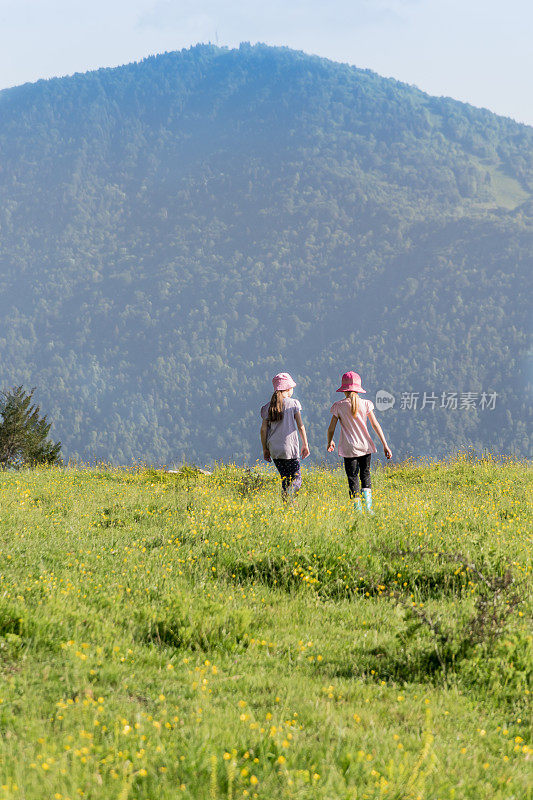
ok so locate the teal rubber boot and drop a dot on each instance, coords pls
(358, 505)
(367, 499)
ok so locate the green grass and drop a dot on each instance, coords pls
(165, 637)
(507, 191)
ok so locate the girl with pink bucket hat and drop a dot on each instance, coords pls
(355, 443)
(282, 421)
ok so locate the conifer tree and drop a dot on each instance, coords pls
(23, 432)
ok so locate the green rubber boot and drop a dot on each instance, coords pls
(367, 499)
(358, 505)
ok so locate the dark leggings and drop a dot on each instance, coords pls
(291, 477)
(358, 465)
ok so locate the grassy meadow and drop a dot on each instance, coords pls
(188, 636)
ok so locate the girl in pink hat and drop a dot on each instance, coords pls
(282, 421)
(355, 443)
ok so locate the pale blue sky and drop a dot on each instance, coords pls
(478, 51)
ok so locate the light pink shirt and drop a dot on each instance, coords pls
(354, 439)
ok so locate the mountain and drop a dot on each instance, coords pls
(174, 232)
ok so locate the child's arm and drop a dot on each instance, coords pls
(303, 435)
(331, 431)
(264, 431)
(377, 427)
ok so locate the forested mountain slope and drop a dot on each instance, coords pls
(174, 232)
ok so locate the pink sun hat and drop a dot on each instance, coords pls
(282, 381)
(351, 382)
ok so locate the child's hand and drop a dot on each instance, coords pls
(387, 451)
(331, 447)
(305, 451)
(266, 455)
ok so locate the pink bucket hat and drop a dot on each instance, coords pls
(351, 382)
(282, 381)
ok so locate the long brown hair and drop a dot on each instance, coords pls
(352, 397)
(275, 410)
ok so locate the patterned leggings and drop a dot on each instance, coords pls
(291, 476)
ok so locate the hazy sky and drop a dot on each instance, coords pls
(478, 51)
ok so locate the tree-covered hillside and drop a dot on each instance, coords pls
(174, 232)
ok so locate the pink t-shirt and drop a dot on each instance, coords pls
(354, 439)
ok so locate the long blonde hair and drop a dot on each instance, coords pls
(352, 397)
(275, 409)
